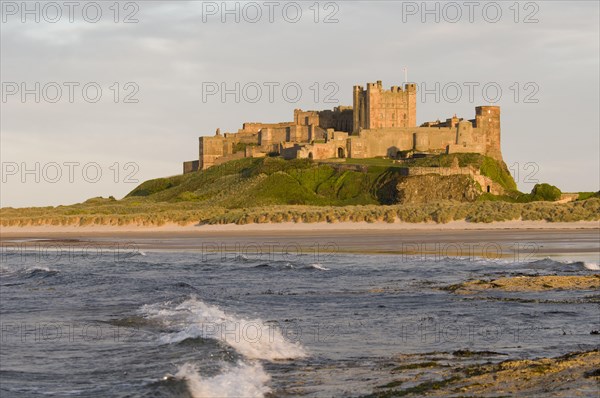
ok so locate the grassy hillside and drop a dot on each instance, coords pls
(274, 190)
(264, 182)
(273, 181)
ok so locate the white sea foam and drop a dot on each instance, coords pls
(27, 271)
(37, 269)
(242, 380)
(252, 338)
(319, 267)
(591, 266)
(586, 264)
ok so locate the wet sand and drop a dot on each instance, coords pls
(516, 240)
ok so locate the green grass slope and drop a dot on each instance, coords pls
(263, 182)
(274, 181)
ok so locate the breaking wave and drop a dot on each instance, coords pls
(252, 338)
(243, 380)
(278, 265)
(591, 266)
(289, 266)
(31, 272)
(317, 266)
(566, 265)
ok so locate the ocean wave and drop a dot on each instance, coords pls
(243, 380)
(132, 252)
(241, 257)
(252, 338)
(317, 266)
(563, 265)
(42, 272)
(29, 272)
(279, 265)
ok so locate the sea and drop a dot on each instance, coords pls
(183, 323)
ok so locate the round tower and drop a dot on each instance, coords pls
(421, 141)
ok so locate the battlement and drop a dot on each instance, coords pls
(254, 127)
(393, 89)
(487, 110)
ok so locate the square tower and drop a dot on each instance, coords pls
(487, 121)
(376, 108)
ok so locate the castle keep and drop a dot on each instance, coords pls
(381, 123)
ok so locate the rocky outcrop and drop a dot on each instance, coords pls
(433, 188)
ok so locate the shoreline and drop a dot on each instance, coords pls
(291, 227)
(518, 240)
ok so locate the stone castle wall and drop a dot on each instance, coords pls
(382, 123)
(486, 183)
(191, 166)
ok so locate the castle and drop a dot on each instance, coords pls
(381, 123)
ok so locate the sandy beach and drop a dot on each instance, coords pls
(300, 227)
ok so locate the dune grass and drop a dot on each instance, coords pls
(136, 211)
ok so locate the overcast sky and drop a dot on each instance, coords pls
(546, 64)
